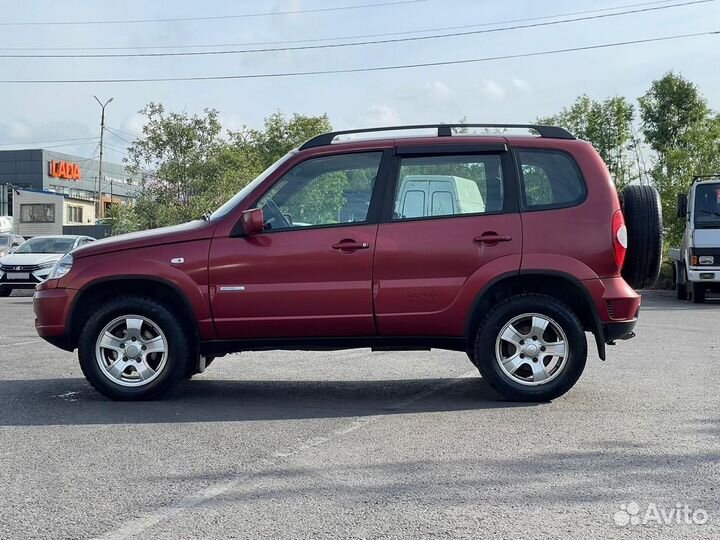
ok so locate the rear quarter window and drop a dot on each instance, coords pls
(550, 179)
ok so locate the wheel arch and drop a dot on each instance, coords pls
(96, 292)
(552, 283)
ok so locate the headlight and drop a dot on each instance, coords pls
(706, 259)
(62, 267)
(46, 265)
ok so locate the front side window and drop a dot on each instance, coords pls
(37, 213)
(550, 179)
(322, 191)
(445, 185)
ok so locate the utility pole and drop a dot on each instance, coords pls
(98, 203)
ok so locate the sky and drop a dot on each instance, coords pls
(503, 91)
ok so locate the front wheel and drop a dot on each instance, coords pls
(698, 293)
(134, 348)
(680, 287)
(531, 347)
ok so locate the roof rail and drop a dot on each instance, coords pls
(443, 130)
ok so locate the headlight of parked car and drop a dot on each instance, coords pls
(46, 265)
(62, 267)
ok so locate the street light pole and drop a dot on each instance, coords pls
(98, 203)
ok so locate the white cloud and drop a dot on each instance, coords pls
(492, 89)
(382, 114)
(521, 84)
(438, 90)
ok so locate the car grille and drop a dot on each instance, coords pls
(19, 268)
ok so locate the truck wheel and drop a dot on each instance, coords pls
(134, 348)
(698, 293)
(680, 287)
(5, 292)
(643, 219)
(531, 347)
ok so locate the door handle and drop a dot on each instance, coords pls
(492, 238)
(350, 245)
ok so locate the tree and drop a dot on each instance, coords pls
(607, 125)
(685, 136)
(187, 166)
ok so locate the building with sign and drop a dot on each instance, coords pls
(74, 178)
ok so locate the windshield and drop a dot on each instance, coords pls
(226, 208)
(47, 245)
(707, 206)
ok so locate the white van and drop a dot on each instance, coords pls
(436, 195)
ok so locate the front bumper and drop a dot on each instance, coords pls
(704, 275)
(51, 307)
(24, 279)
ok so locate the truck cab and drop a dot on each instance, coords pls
(696, 264)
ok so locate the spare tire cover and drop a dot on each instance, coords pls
(643, 219)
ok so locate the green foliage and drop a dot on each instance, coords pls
(187, 167)
(608, 126)
(685, 136)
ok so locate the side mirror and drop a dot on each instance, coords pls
(253, 221)
(682, 205)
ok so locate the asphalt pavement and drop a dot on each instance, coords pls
(356, 444)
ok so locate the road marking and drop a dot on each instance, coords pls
(142, 523)
(21, 343)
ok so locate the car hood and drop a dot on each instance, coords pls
(194, 230)
(29, 259)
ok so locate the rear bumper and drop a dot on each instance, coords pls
(619, 330)
(51, 307)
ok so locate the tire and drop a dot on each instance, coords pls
(5, 292)
(524, 385)
(680, 288)
(643, 219)
(156, 327)
(698, 293)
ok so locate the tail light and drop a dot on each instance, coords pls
(619, 236)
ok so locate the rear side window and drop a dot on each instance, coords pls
(551, 179)
(448, 185)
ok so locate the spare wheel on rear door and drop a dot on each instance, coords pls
(643, 219)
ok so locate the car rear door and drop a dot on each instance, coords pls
(429, 268)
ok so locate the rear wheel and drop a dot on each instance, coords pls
(643, 219)
(531, 347)
(5, 292)
(134, 348)
(698, 293)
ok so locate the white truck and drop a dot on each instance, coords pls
(696, 264)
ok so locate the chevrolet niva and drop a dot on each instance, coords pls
(507, 247)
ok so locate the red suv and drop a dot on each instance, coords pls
(509, 248)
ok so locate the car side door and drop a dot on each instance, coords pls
(308, 273)
(437, 249)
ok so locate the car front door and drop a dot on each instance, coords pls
(309, 272)
(438, 246)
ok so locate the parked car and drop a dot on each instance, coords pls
(32, 261)
(9, 242)
(7, 224)
(285, 265)
(696, 263)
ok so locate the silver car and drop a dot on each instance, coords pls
(31, 263)
(9, 242)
